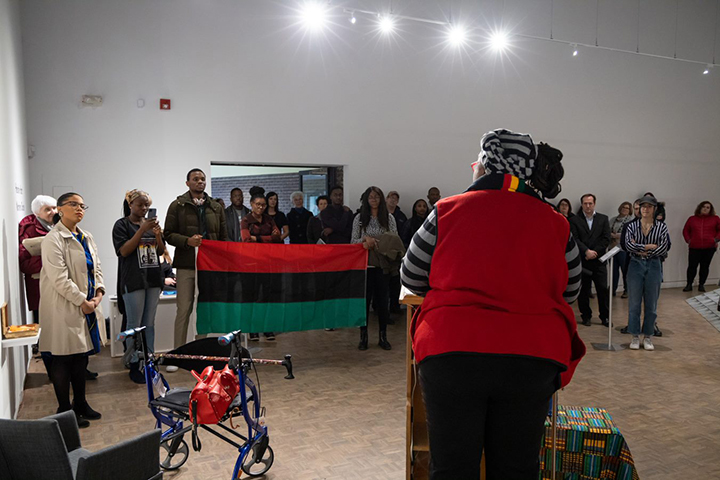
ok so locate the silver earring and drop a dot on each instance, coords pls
(60, 214)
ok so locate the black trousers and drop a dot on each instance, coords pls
(394, 292)
(486, 401)
(377, 292)
(702, 257)
(598, 276)
(66, 370)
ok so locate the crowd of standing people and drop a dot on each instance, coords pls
(65, 284)
(641, 233)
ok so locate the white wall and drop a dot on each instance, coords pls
(248, 86)
(14, 204)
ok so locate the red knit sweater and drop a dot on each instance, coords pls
(497, 277)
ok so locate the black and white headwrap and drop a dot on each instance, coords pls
(504, 151)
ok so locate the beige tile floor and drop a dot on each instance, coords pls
(343, 416)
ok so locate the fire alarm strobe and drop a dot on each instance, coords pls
(164, 104)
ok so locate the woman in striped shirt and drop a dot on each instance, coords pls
(647, 241)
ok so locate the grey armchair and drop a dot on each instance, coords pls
(50, 448)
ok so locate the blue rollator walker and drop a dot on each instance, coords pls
(170, 406)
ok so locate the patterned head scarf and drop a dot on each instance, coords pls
(134, 194)
(504, 151)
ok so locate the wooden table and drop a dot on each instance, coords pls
(417, 447)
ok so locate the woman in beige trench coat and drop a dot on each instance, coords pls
(71, 288)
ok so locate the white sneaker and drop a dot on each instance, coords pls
(635, 343)
(647, 344)
(171, 368)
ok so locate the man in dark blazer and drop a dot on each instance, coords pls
(591, 231)
(234, 214)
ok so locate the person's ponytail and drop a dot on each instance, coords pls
(126, 208)
(56, 218)
(548, 171)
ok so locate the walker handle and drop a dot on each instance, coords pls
(226, 340)
(129, 333)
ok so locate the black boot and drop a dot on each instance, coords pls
(657, 332)
(384, 344)
(688, 288)
(137, 374)
(81, 422)
(363, 345)
(701, 288)
(84, 411)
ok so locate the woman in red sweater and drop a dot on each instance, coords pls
(491, 354)
(702, 233)
(36, 225)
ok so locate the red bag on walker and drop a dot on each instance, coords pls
(212, 395)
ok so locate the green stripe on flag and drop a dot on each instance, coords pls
(215, 317)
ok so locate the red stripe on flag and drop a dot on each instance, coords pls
(279, 258)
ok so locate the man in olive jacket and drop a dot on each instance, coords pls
(194, 216)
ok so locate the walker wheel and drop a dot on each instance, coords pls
(256, 467)
(170, 460)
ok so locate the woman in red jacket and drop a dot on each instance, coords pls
(491, 354)
(701, 232)
(36, 225)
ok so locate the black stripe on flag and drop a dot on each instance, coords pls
(237, 287)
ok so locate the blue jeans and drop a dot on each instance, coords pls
(644, 280)
(140, 307)
(618, 265)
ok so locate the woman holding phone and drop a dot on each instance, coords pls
(139, 244)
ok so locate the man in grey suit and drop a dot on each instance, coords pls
(591, 231)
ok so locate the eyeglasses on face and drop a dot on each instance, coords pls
(74, 205)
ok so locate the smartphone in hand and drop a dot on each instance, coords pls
(152, 213)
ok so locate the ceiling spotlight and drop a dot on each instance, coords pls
(499, 41)
(707, 69)
(457, 36)
(353, 20)
(313, 15)
(387, 25)
(574, 49)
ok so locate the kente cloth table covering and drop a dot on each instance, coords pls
(589, 446)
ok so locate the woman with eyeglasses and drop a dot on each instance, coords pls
(71, 288)
(369, 225)
(565, 207)
(139, 244)
(258, 227)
